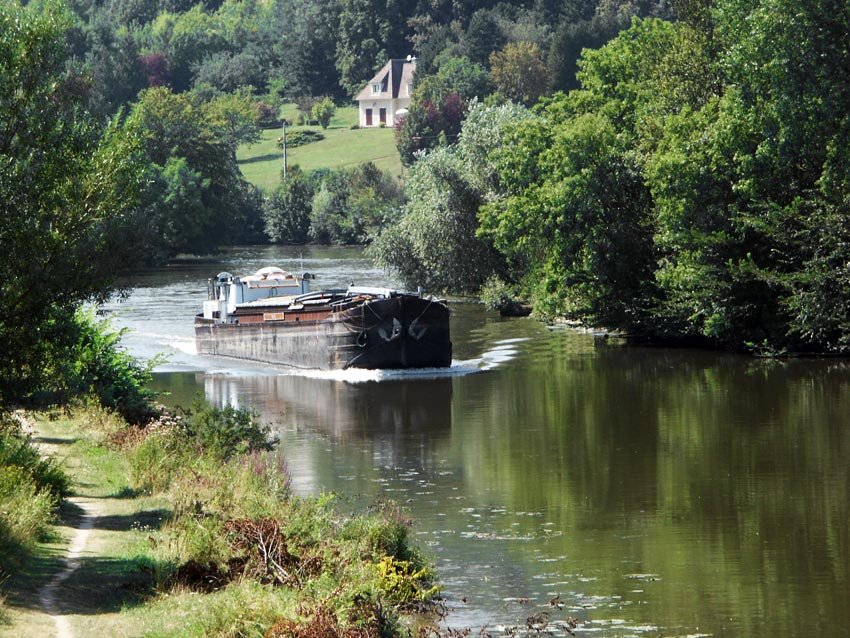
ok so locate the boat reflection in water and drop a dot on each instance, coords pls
(342, 410)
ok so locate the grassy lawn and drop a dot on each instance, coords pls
(261, 163)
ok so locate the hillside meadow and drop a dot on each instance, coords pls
(343, 147)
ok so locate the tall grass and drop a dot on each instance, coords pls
(30, 489)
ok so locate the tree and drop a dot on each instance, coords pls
(437, 241)
(437, 107)
(428, 125)
(323, 111)
(155, 69)
(483, 36)
(228, 71)
(287, 211)
(567, 44)
(184, 39)
(233, 118)
(113, 63)
(67, 190)
(306, 47)
(360, 49)
(519, 72)
(196, 184)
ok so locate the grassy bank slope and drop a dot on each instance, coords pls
(112, 577)
(261, 163)
(193, 532)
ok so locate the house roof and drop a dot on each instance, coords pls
(394, 75)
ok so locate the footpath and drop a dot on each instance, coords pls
(87, 571)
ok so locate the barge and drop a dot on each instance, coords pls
(273, 317)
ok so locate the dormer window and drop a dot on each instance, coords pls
(376, 88)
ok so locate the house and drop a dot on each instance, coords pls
(386, 97)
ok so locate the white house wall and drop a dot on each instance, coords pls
(376, 105)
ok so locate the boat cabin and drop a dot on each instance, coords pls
(226, 292)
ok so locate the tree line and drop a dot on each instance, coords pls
(694, 187)
(193, 71)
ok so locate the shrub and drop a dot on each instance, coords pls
(403, 582)
(30, 488)
(96, 365)
(497, 295)
(157, 459)
(226, 432)
(25, 513)
(267, 115)
(45, 473)
(302, 138)
(323, 111)
(287, 211)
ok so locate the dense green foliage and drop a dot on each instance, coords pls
(686, 191)
(501, 51)
(67, 191)
(345, 206)
(694, 187)
(435, 242)
(225, 432)
(96, 366)
(195, 197)
(192, 81)
(306, 49)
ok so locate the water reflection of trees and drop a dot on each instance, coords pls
(731, 475)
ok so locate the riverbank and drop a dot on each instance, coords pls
(227, 552)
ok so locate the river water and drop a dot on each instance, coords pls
(643, 492)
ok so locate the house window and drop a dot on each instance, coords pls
(376, 88)
(368, 117)
(409, 87)
(382, 116)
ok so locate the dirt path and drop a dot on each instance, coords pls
(49, 593)
(53, 595)
(83, 578)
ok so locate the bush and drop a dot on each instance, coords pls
(25, 513)
(323, 111)
(267, 115)
(157, 458)
(287, 211)
(226, 432)
(107, 371)
(302, 138)
(45, 473)
(94, 365)
(30, 489)
(497, 295)
(404, 583)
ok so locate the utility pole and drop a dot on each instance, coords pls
(284, 148)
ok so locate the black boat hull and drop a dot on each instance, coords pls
(403, 331)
